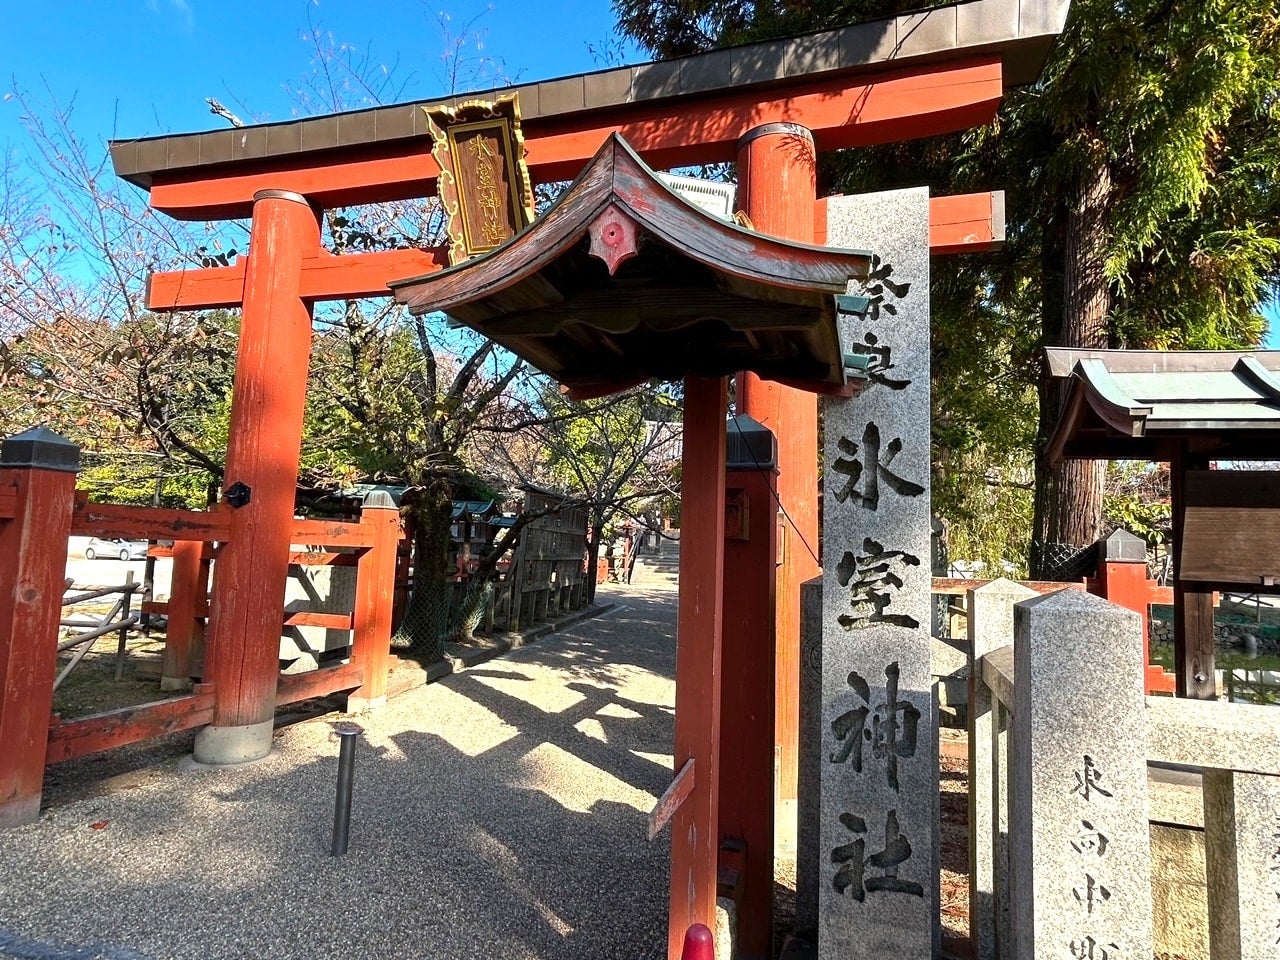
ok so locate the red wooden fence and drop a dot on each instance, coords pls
(39, 509)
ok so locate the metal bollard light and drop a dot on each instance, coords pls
(346, 774)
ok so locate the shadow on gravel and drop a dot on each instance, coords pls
(532, 848)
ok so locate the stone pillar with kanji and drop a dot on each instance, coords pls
(878, 889)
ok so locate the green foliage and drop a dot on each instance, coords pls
(1137, 499)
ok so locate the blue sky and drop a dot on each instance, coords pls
(145, 67)
(142, 67)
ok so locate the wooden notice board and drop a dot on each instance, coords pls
(1231, 534)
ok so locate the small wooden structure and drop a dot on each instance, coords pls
(1189, 408)
(548, 572)
(621, 281)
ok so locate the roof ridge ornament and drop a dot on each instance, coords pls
(614, 238)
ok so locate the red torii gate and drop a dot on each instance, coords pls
(912, 76)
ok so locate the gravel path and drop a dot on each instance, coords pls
(499, 813)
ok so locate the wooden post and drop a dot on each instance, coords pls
(375, 589)
(242, 659)
(188, 597)
(38, 480)
(1193, 650)
(695, 834)
(777, 189)
(747, 691)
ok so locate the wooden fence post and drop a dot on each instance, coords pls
(37, 495)
(375, 590)
(188, 601)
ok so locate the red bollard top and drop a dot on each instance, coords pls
(699, 944)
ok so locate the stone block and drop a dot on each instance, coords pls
(878, 889)
(1242, 864)
(318, 588)
(990, 627)
(1180, 919)
(1080, 853)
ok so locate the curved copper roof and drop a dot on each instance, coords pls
(1144, 404)
(622, 281)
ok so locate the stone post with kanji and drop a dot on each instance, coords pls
(878, 889)
(1079, 838)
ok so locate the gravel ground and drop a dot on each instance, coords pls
(499, 813)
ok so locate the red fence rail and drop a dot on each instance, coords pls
(40, 508)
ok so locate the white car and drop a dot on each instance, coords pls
(116, 549)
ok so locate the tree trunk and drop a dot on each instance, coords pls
(426, 621)
(1068, 501)
(471, 608)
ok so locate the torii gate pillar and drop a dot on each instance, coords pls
(777, 189)
(242, 655)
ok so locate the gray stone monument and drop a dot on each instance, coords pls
(1078, 810)
(809, 807)
(990, 627)
(878, 887)
(315, 588)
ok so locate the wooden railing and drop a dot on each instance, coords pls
(39, 509)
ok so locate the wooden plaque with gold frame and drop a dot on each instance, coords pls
(484, 184)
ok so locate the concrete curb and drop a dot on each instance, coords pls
(459, 658)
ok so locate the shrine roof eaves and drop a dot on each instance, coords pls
(662, 290)
(1020, 31)
(1143, 404)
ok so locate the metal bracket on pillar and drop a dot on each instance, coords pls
(850, 307)
(779, 129)
(238, 494)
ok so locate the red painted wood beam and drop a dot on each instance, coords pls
(324, 277)
(750, 663)
(695, 836)
(375, 597)
(967, 223)
(146, 523)
(115, 728)
(902, 104)
(964, 223)
(242, 655)
(295, 687)
(187, 608)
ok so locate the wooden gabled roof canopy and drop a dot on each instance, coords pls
(1148, 404)
(622, 281)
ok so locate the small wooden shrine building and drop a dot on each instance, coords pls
(1189, 409)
